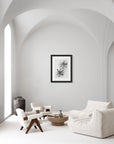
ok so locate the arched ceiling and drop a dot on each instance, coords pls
(31, 20)
(27, 22)
(59, 19)
(15, 7)
(27, 15)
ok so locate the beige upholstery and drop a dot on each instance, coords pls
(97, 119)
(25, 118)
(46, 110)
(37, 106)
(93, 105)
(21, 114)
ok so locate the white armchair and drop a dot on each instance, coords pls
(45, 110)
(97, 120)
(28, 119)
(37, 106)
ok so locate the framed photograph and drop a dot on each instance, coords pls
(61, 68)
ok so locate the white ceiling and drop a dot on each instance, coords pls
(95, 16)
(12, 8)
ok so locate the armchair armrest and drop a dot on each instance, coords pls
(104, 115)
(108, 119)
(25, 118)
(77, 114)
(47, 108)
(103, 120)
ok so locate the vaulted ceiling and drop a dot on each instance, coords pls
(11, 8)
(27, 15)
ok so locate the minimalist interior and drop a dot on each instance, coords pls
(57, 71)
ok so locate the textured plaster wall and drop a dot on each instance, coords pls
(83, 30)
(33, 67)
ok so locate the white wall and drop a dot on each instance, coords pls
(111, 73)
(84, 34)
(1, 75)
(33, 67)
(88, 41)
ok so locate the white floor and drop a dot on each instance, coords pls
(10, 134)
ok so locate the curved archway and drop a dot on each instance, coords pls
(18, 9)
(66, 20)
(110, 72)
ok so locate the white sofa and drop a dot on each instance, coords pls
(97, 120)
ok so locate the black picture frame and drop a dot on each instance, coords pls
(61, 68)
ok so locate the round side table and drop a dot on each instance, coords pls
(57, 121)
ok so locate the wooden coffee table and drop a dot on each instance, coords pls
(57, 121)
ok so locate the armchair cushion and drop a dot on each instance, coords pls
(20, 113)
(76, 114)
(30, 117)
